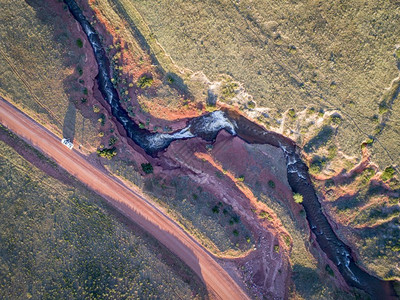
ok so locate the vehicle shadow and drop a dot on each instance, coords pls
(69, 122)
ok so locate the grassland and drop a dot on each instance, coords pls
(59, 240)
(42, 68)
(324, 73)
(333, 56)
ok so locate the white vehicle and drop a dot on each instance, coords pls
(67, 143)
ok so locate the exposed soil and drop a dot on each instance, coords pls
(265, 268)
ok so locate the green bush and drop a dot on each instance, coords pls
(147, 168)
(229, 90)
(297, 198)
(336, 119)
(251, 104)
(271, 184)
(79, 43)
(292, 113)
(215, 209)
(329, 270)
(388, 173)
(107, 152)
(145, 82)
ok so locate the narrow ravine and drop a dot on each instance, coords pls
(207, 127)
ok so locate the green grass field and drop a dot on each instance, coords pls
(61, 241)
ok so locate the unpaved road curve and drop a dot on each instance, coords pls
(131, 204)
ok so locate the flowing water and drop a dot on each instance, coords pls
(207, 127)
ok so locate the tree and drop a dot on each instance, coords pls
(147, 168)
(298, 198)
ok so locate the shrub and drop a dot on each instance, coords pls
(388, 173)
(329, 270)
(276, 248)
(145, 82)
(383, 107)
(147, 168)
(141, 125)
(263, 214)
(112, 141)
(332, 151)
(240, 178)
(79, 43)
(251, 104)
(369, 141)
(271, 184)
(292, 113)
(297, 198)
(229, 90)
(336, 119)
(397, 53)
(235, 232)
(107, 152)
(102, 119)
(96, 109)
(215, 209)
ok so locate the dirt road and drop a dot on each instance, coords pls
(130, 203)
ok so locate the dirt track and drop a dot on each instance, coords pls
(130, 203)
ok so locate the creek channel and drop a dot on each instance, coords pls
(207, 127)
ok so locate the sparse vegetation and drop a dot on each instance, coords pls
(228, 90)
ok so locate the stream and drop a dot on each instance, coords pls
(207, 127)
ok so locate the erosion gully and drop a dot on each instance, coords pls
(207, 127)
